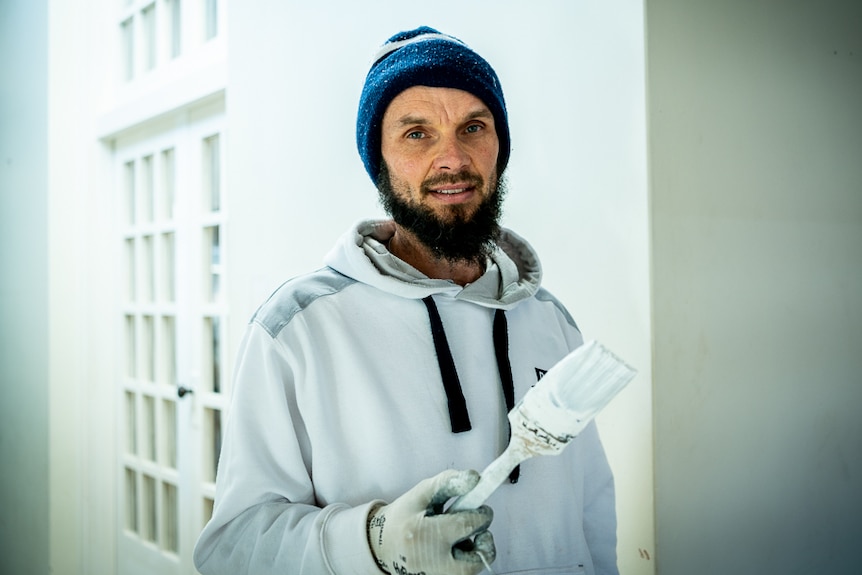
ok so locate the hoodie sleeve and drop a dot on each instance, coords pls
(265, 520)
(600, 523)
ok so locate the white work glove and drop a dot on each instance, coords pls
(413, 535)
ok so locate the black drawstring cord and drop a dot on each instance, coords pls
(458, 415)
(501, 348)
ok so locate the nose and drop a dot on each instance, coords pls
(451, 154)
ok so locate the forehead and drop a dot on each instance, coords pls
(434, 104)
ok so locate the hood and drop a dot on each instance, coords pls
(512, 275)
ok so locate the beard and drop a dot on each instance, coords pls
(457, 236)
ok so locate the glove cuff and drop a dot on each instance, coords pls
(373, 526)
(345, 541)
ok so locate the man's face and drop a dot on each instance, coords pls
(438, 179)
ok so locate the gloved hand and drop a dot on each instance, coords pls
(413, 535)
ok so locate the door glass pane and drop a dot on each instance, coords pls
(148, 273)
(208, 510)
(175, 26)
(148, 423)
(211, 354)
(215, 323)
(170, 518)
(212, 443)
(148, 508)
(168, 279)
(148, 359)
(131, 500)
(128, 40)
(211, 15)
(168, 184)
(148, 23)
(168, 352)
(131, 276)
(147, 196)
(129, 191)
(169, 434)
(212, 264)
(131, 424)
(212, 173)
(131, 351)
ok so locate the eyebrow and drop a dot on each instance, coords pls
(410, 120)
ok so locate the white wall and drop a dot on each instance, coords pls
(81, 295)
(756, 188)
(24, 512)
(573, 77)
(56, 424)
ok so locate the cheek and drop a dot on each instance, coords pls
(484, 155)
(404, 166)
(492, 152)
(411, 168)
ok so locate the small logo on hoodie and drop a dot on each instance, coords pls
(540, 373)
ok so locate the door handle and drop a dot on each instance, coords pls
(183, 390)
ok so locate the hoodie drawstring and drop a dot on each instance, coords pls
(501, 349)
(458, 416)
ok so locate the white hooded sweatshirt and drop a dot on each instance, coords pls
(338, 402)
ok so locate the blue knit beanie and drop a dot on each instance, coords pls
(425, 57)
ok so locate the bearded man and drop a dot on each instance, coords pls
(368, 392)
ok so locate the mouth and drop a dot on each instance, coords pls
(452, 190)
(453, 194)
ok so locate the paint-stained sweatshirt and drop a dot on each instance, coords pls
(338, 402)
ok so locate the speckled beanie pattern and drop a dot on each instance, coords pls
(425, 57)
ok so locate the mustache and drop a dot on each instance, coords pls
(464, 177)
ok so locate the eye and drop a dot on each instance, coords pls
(474, 128)
(415, 135)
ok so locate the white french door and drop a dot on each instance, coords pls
(171, 386)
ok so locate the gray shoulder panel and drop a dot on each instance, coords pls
(295, 295)
(546, 296)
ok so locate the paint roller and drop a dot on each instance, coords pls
(553, 412)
